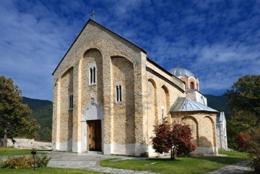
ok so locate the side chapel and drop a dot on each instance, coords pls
(108, 95)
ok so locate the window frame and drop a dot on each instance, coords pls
(92, 74)
(71, 103)
(118, 93)
(192, 86)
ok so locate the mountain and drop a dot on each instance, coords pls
(219, 103)
(42, 112)
(35, 103)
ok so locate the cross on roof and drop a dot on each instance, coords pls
(177, 64)
(93, 14)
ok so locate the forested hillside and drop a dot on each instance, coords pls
(219, 103)
(42, 112)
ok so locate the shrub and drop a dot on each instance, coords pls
(176, 138)
(242, 140)
(42, 160)
(250, 142)
(254, 149)
(23, 162)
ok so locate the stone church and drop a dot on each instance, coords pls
(108, 95)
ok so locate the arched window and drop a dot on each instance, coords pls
(71, 102)
(118, 93)
(92, 74)
(191, 85)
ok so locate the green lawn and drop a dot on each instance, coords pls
(8, 151)
(180, 165)
(12, 151)
(46, 171)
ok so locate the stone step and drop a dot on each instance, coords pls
(95, 152)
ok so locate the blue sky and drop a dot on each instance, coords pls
(217, 40)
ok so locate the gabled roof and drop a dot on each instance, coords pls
(89, 21)
(183, 104)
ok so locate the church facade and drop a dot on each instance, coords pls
(108, 95)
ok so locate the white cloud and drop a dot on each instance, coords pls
(217, 40)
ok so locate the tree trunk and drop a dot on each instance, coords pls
(5, 138)
(172, 154)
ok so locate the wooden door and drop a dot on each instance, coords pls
(94, 135)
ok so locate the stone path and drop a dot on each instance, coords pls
(91, 162)
(238, 168)
(88, 162)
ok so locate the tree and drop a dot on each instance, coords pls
(250, 142)
(241, 139)
(175, 138)
(241, 121)
(244, 102)
(245, 95)
(14, 115)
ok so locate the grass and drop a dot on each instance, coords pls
(8, 151)
(12, 151)
(191, 165)
(46, 171)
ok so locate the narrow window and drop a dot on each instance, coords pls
(191, 85)
(92, 75)
(118, 94)
(70, 102)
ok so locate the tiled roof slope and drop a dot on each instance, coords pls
(183, 104)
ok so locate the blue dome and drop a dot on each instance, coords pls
(181, 72)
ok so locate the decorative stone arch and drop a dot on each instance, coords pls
(123, 112)
(91, 58)
(197, 86)
(91, 49)
(213, 130)
(167, 102)
(66, 71)
(192, 83)
(90, 96)
(65, 120)
(121, 56)
(153, 82)
(194, 126)
(185, 82)
(150, 80)
(208, 136)
(152, 111)
(91, 112)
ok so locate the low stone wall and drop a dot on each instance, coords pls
(23, 143)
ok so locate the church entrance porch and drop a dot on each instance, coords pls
(94, 135)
